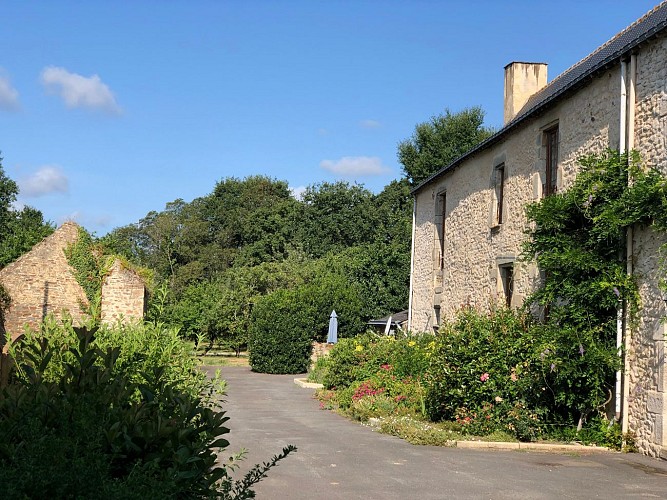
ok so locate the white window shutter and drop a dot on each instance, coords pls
(537, 186)
(493, 210)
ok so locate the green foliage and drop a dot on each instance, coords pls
(341, 247)
(480, 359)
(335, 216)
(87, 261)
(379, 272)
(125, 415)
(377, 376)
(24, 229)
(418, 432)
(355, 359)
(440, 141)
(506, 372)
(598, 431)
(578, 240)
(281, 331)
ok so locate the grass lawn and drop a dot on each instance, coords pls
(223, 360)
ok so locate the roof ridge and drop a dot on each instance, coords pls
(644, 28)
(609, 42)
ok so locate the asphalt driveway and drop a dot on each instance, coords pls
(339, 459)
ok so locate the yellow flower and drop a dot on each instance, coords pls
(431, 345)
(412, 343)
(359, 348)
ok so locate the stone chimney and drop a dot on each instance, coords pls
(522, 80)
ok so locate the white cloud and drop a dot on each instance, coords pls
(78, 91)
(370, 124)
(9, 96)
(48, 179)
(355, 165)
(297, 192)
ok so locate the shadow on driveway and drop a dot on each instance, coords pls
(340, 459)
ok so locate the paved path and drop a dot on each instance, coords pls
(339, 459)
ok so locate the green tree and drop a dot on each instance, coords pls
(438, 142)
(336, 216)
(25, 228)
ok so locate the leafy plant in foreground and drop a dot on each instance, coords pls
(102, 423)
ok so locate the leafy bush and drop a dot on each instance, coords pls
(479, 358)
(376, 375)
(86, 418)
(355, 359)
(517, 372)
(280, 339)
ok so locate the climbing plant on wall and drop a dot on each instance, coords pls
(87, 261)
(578, 239)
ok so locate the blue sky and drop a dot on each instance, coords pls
(109, 110)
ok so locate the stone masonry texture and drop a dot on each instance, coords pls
(123, 295)
(42, 282)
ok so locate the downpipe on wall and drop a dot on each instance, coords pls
(620, 310)
(623, 332)
(629, 253)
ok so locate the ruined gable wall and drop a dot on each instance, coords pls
(123, 295)
(41, 282)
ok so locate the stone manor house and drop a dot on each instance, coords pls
(469, 218)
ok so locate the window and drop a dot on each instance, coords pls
(442, 205)
(500, 192)
(507, 280)
(551, 142)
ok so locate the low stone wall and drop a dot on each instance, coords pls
(320, 349)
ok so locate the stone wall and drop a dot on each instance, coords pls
(320, 350)
(647, 368)
(123, 295)
(475, 247)
(41, 282)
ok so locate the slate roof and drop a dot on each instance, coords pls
(622, 44)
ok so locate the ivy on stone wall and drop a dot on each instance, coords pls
(578, 239)
(578, 236)
(86, 258)
(91, 265)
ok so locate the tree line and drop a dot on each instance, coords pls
(219, 257)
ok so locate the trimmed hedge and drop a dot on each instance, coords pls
(280, 339)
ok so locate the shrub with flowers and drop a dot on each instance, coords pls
(489, 373)
(378, 375)
(477, 359)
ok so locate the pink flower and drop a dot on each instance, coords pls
(513, 377)
(386, 367)
(484, 377)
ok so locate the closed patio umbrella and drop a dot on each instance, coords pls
(332, 337)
